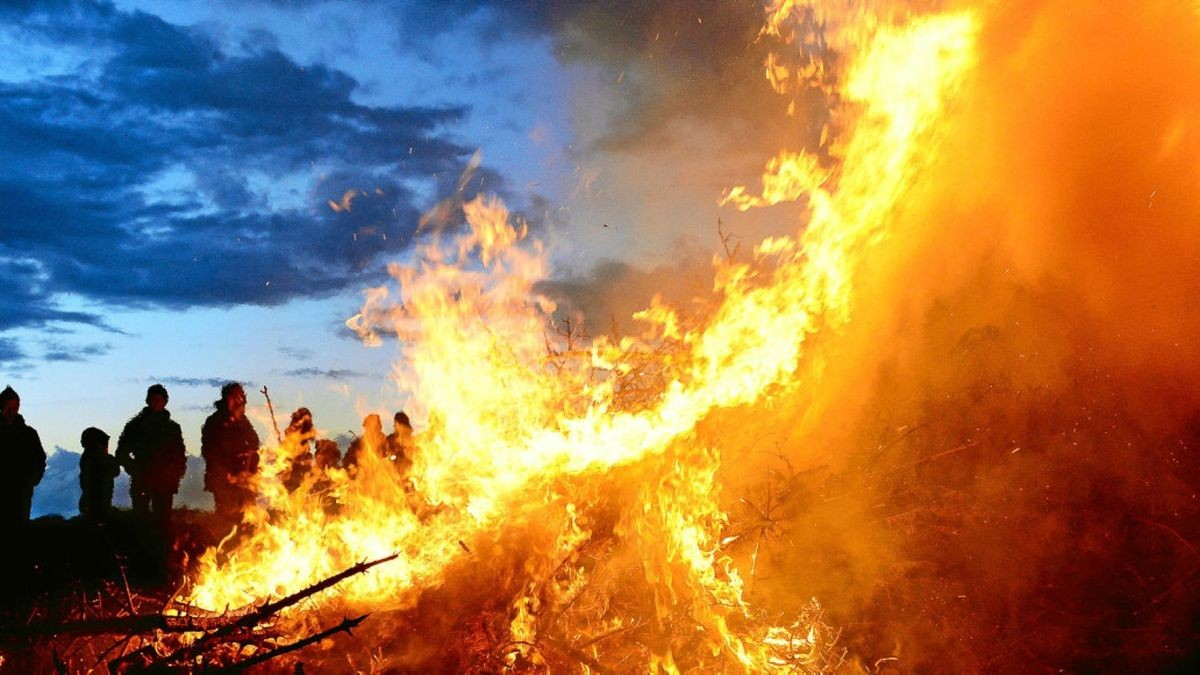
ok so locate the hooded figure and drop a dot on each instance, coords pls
(151, 450)
(22, 462)
(97, 469)
(229, 446)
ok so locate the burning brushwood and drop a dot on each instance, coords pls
(166, 639)
(260, 615)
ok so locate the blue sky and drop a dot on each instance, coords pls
(167, 167)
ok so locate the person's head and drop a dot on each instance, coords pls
(157, 397)
(372, 424)
(400, 422)
(10, 404)
(233, 399)
(301, 420)
(327, 454)
(94, 439)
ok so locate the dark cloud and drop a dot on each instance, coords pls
(497, 20)
(214, 382)
(10, 351)
(26, 299)
(140, 180)
(330, 374)
(61, 351)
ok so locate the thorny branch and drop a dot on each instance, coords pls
(264, 612)
(347, 626)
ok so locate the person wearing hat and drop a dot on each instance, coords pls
(22, 462)
(152, 452)
(97, 469)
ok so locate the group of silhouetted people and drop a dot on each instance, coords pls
(151, 450)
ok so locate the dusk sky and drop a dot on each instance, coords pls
(168, 168)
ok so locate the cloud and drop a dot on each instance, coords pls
(331, 374)
(61, 351)
(58, 493)
(59, 490)
(214, 382)
(10, 351)
(162, 170)
(300, 353)
(26, 300)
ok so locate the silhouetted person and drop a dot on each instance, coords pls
(151, 450)
(400, 443)
(327, 455)
(325, 458)
(97, 470)
(372, 440)
(296, 439)
(229, 446)
(22, 462)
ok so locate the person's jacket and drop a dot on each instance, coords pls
(152, 451)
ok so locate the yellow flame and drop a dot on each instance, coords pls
(504, 425)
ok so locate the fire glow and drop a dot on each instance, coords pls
(532, 442)
(505, 428)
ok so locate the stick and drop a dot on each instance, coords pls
(346, 625)
(267, 610)
(271, 408)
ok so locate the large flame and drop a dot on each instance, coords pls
(517, 426)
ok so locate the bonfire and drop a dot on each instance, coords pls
(943, 425)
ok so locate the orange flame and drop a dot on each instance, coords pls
(503, 426)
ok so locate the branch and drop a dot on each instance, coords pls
(268, 610)
(271, 408)
(346, 625)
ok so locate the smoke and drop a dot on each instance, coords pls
(993, 467)
(994, 470)
(670, 109)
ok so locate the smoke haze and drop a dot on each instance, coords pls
(993, 467)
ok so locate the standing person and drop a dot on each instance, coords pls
(325, 458)
(97, 469)
(229, 446)
(22, 462)
(400, 443)
(151, 450)
(296, 438)
(372, 441)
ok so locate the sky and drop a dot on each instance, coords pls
(168, 167)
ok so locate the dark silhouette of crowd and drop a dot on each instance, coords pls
(152, 452)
